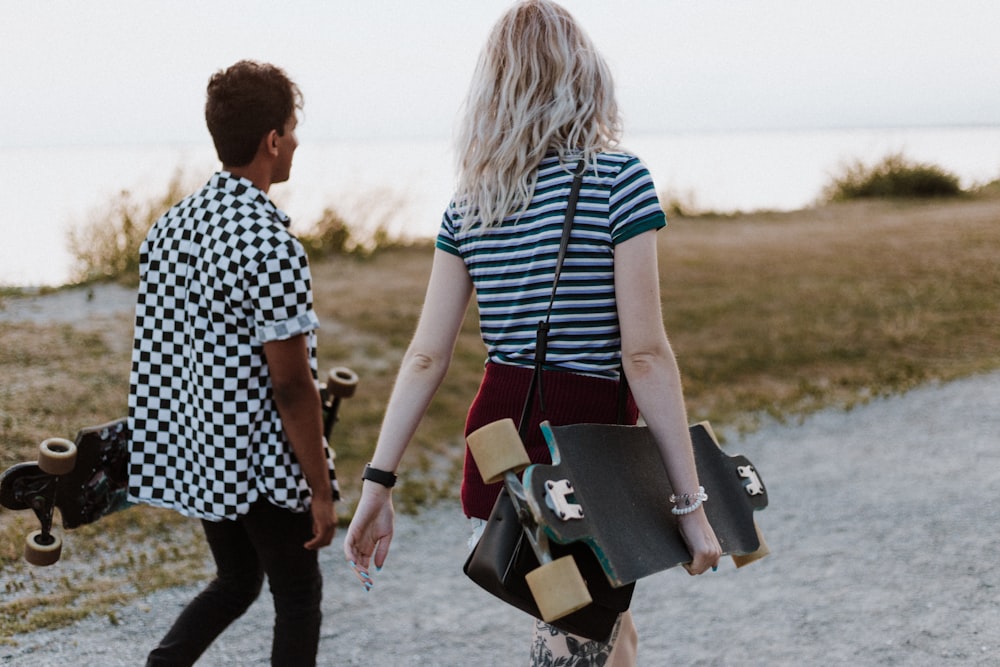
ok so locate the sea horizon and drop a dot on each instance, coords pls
(405, 184)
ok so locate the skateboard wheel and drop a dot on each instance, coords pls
(558, 588)
(496, 449)
(341, 382)
(56, 456)
(37, 552)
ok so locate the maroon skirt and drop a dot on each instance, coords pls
(569, 399)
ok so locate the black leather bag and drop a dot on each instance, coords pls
(503, 556)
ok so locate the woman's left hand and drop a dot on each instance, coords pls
(370, 533)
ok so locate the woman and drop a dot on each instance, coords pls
(541, 99)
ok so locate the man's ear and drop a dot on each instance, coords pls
(271, 143)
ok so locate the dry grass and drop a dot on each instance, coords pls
(784, 313)
(770, 314)
(372, 306)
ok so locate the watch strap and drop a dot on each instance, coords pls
(383, 477)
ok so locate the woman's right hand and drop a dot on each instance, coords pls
(370, 533)
(701, 542)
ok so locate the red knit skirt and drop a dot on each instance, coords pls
(569, 399)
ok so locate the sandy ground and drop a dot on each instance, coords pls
(882, 523)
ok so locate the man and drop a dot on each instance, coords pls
(224, 408)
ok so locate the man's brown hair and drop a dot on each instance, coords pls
(245, 102)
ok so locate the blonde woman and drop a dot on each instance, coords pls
(542, 98)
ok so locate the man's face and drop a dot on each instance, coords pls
(287, 143)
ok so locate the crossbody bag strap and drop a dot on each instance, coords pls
(622, 395)
(542, 333)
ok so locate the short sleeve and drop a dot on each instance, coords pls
(281, 293)
(447, 238)
(634, 206)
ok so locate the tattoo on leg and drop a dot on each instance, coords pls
(552, 647)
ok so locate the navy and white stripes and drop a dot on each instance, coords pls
(512, 265)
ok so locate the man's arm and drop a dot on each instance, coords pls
(298, 402)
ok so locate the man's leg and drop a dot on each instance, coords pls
(295, 580)
(237, 583)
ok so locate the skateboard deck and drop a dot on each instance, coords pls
(88, 478)
(607, 489)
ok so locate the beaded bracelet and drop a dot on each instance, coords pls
(690, 501)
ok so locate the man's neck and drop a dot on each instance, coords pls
(256, 173)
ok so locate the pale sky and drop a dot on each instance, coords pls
(131, 71)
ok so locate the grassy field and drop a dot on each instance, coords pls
(772, 315)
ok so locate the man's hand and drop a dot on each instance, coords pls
(324, 515)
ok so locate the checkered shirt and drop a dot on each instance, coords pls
(220, 276)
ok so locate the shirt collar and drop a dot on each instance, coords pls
(245, 189)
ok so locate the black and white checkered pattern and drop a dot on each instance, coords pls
(220, 276)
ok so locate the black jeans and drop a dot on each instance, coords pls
(267, 540)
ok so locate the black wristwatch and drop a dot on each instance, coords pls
(386, 479)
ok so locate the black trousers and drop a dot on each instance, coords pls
(266, 541)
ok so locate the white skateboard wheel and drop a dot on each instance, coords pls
(38, 553)
(56, 456)
(341, 382)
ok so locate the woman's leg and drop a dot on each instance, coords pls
(551, 646)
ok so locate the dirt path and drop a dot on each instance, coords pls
(883, 527)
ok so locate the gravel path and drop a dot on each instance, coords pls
(76, 305)
(883, 530)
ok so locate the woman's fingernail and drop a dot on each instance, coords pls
(363, 576)
(715, 568)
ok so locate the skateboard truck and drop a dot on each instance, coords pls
(39, 495)
(753, 485)
(36, 487)
(557, 498)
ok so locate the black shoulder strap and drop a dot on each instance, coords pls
(542, 333)
(574, 195)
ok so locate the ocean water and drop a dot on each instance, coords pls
(405, 185)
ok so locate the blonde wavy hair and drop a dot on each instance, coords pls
(539, 86)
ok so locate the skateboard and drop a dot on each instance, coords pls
(607, 488)
(87, 478)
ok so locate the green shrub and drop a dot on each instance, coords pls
(331, 235)
(988, 190)
(328, 236)
(106, 245)
(894, 177)
(359, 225)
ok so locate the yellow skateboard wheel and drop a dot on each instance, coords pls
(558, 588)
(497, 448)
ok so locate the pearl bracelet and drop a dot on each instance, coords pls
(690, 501)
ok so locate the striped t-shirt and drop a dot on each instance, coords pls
(512, 265)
